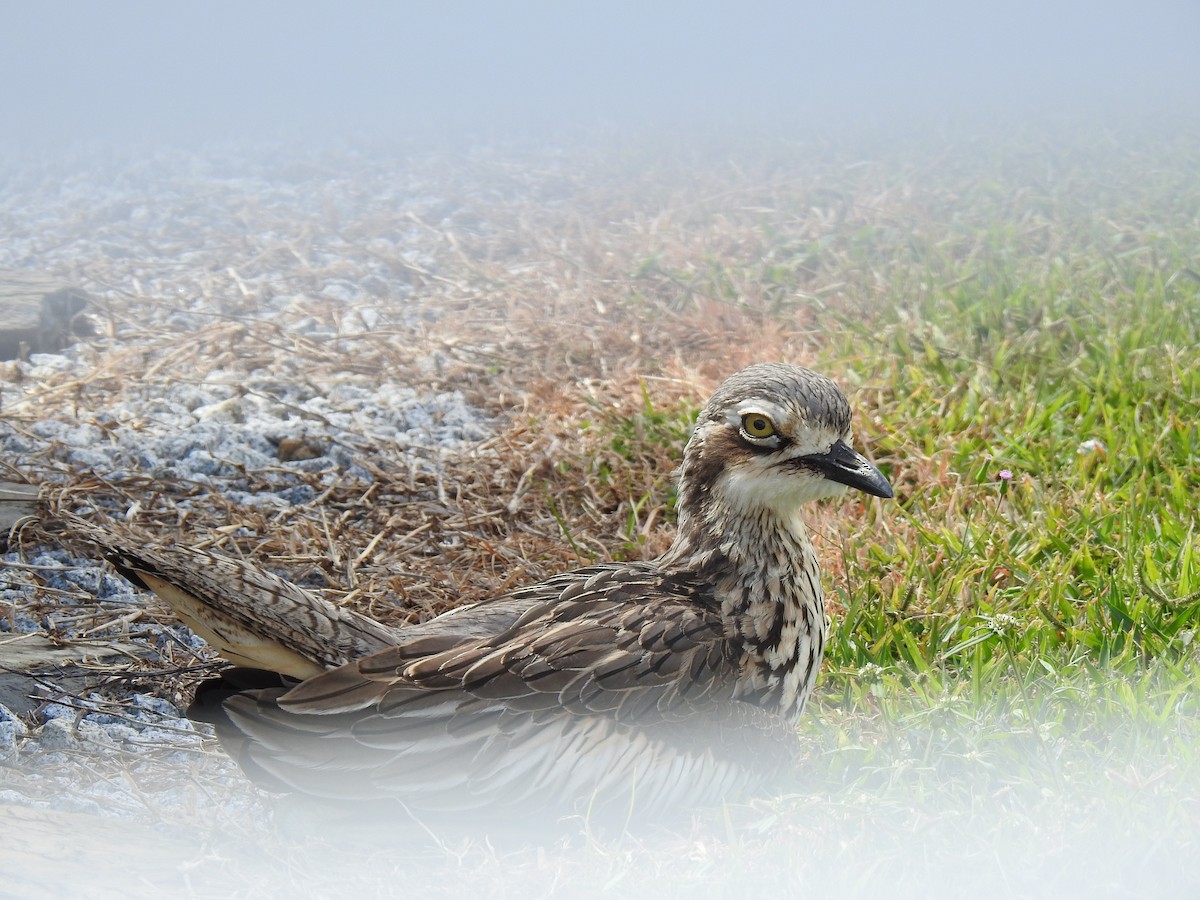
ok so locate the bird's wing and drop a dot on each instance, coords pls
(615, 690)
(626, 641)
(248, 615)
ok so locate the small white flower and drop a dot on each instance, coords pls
(870, 672)
(1003, 623)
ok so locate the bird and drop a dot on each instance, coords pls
(636, 688)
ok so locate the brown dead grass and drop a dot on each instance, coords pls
(579, 292)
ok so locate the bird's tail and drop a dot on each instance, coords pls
(249, 616)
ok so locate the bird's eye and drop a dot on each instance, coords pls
(758, 426)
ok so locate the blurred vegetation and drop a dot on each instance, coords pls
(1015, 314)
(1020, 334)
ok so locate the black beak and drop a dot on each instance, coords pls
(846, 466)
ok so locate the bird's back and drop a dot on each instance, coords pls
(608, 689)
(633, 686)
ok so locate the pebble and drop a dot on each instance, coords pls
(203, 230)
(11, 730)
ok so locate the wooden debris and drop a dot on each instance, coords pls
(39, 314)
(17, 502)
(31, 662)
(27, 651)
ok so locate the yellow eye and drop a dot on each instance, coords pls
(757, 425)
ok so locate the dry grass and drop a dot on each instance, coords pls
(1012, 657)
(634, 290)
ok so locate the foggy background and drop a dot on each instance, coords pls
(78, 74)
(186, 71)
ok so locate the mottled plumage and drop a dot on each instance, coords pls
(641, 687)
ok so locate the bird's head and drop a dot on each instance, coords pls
(773, 436)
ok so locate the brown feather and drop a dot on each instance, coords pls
(636, 686)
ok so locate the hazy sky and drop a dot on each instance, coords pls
(202, 68)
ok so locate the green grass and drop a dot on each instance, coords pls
(1010, 702)
(1029, 635)
(1020, 645)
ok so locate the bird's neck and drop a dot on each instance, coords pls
(764, 573)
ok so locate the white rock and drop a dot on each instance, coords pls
(57, 734)
(230, 411)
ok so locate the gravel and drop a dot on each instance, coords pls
(217, 430)
(318, 245)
